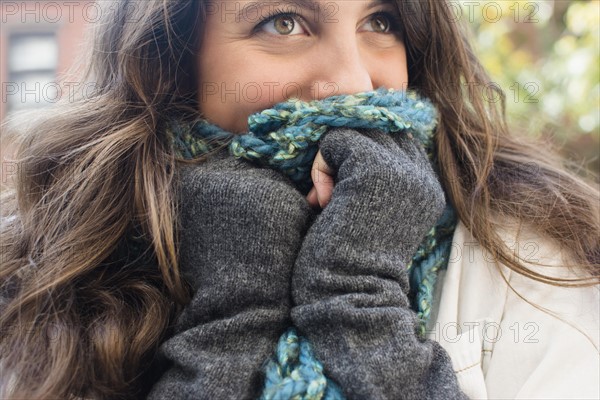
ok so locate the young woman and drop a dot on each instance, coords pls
(114, 244)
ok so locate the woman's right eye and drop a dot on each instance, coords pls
(280, 23)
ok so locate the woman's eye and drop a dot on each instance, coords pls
(281, 24)
(383, 23)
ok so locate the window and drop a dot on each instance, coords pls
(32, 63)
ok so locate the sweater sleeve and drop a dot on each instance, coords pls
(241, 229)
(350, 282)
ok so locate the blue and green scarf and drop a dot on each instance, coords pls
(286, 138)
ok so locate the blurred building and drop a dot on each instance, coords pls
(39, 41)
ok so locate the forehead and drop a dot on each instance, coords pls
(253, 9)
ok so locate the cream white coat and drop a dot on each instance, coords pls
(501, 346)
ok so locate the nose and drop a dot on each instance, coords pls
(338, 68)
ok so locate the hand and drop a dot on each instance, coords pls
(350, 283)
(392, 168)
(241, 229)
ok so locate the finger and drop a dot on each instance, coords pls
(320, 165)
(312, 198)
(324, 192)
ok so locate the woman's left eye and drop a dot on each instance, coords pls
(383, 22)
(280, 24)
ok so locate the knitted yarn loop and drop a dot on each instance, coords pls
(286, 138)
(296, 374)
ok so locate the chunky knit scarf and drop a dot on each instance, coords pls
(286, 138)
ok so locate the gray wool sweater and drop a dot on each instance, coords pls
(260, 259)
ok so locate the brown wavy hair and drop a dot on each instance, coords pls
(83, 319)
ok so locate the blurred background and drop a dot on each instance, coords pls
(544, 55)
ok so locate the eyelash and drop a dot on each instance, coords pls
(393, 19)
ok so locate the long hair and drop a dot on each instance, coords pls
(492, 177)
(82, 314)
(81, 318)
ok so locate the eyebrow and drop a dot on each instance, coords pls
(377, 3)
(308, 5)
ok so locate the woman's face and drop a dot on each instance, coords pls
(255, 54)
